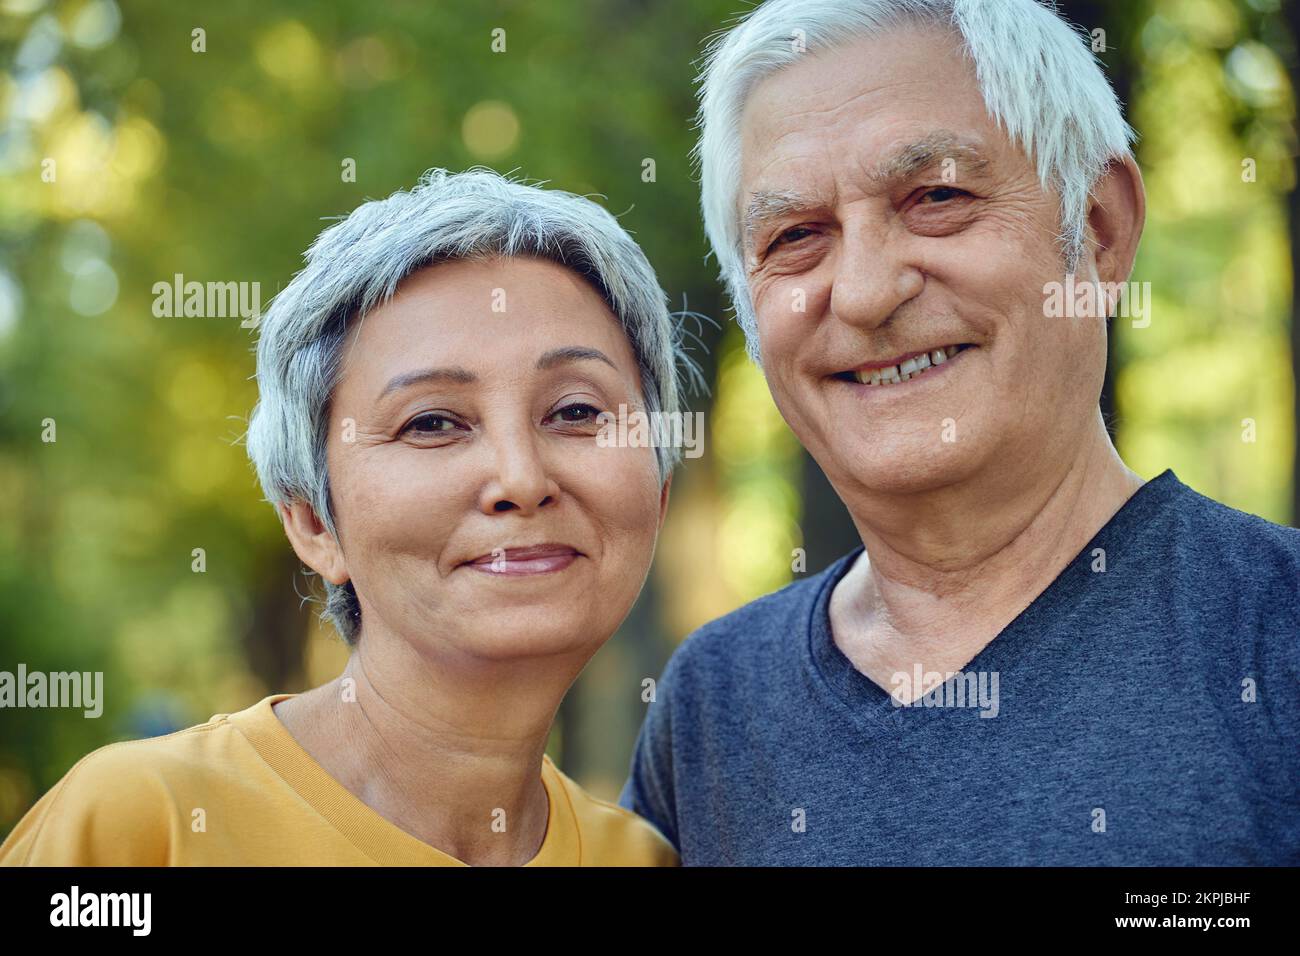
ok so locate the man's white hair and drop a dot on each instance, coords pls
(1036, 73)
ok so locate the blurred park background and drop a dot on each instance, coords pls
(222, 165)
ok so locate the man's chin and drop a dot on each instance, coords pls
(905, 466)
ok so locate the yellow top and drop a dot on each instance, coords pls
(240, 791)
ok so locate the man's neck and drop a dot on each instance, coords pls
(943, 576)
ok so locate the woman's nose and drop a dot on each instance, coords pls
(520, 479)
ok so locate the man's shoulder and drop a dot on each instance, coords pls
(1227, 580)
(1232, 543)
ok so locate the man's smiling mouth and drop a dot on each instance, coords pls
(904, 368)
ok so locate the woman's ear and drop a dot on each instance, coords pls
(313, 542)
(663, 500)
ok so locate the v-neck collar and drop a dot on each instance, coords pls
(376, 837)
(873, 707)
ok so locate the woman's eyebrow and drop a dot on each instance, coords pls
(456, 375)
(463, 376)
(572, 353)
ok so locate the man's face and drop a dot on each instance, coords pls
(884, 217)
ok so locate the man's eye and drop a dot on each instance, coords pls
(429, 424)
(790, 235)
(578, 413)
(941, 194)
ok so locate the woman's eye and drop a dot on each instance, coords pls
(576, 414)
(429, 424)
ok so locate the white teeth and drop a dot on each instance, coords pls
(909, 369)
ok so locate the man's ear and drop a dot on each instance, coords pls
(313, 542)
(663, 500)
(1117, 212)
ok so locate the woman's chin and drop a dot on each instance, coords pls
(526, 622)
(506, 635)
(500, 616)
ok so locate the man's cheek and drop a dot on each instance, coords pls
(779, 333)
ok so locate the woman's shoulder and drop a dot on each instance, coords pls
(611, 835)
(119, 805)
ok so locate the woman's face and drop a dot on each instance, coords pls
(476, 510)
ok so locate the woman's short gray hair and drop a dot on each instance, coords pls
(1036, 73)
(357, 264)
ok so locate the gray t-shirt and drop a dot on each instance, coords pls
(1143, 710)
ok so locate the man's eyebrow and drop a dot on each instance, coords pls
(908, 160)
(572, 353)
(902, 163)
(764, 206)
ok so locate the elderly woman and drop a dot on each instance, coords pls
(432, 388)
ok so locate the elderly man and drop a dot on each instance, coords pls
(1035, 657)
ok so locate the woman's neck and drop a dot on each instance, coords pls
(450, 753)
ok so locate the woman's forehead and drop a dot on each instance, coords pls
(484, 316)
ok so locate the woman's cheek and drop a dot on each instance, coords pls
(393, 505)
(621, 487)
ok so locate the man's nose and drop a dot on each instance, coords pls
(871, 278)
(520, 478)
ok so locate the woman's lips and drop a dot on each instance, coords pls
(536, 559)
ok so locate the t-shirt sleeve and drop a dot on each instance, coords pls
(106, 811)
(649, 789)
